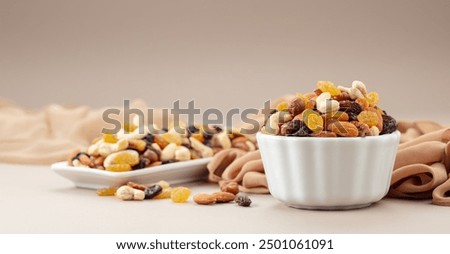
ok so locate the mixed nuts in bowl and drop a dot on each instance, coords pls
(330, 149)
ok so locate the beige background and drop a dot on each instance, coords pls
(224, 53)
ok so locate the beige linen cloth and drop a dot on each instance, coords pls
(48, 135)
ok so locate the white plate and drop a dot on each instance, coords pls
(174, 173)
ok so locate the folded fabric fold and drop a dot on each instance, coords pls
(236, 165)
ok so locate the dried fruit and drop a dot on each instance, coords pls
(165, 193)
(290, 127)
(327, 86)
(118, 167)
(152, 191)
(148, 138)
(171, 138)
(389, 124)
(180, 194)
(372, 98)
(243, 200)
(302, 131)
(313, 120)
(109, 138)
(282, 106)
(204, 199)
(362, 102)
(110, 191)
(350, 107)
(129, 127)
(368, 117)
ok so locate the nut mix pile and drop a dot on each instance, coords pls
(163, 190)
(131, 150)
(331, 111)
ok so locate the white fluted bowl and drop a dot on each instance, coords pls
(328, 173)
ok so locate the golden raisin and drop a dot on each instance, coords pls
(129, 127)
(368, 117)
(282, 106)
(110, 191)
(109, 138)
(313, 120)
(165, 193)
(118, 167)
(171, 138)
(180, 194)
(373, 98)
(363, 102)
(327, 86)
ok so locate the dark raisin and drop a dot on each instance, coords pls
(303, 130)
(77, 157)
(243, 200)
(208, 133)
(352, 116)
(143, 163)
(218, 129)
(389, 124)
(350, 107)
(152, 191)
(169, 161)
(149, 138)
(293, 126)
(192, 129)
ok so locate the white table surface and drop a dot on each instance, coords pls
(36, 200)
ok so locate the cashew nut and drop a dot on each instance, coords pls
(104, 148)
(328, 106)
(204, 151)
(77, 163)
(354, 92)
(127, 193)
(360, 86)
(325, 104)
(168, 153)
(223, 140)
(374, 131)
(182, 153)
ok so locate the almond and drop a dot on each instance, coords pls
(204, 199)
(223, 197)
(343, 129)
